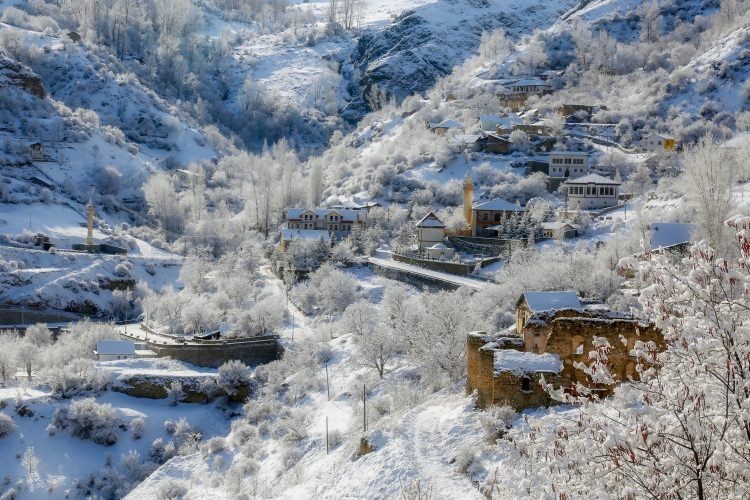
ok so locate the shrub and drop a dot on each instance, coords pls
(171, 489)
(89, 420)
(7, 425)
(234, 375)
(214, 446)
(137, 427)
(465, 457)
(496, 421)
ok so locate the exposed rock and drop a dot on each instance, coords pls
(16, 74)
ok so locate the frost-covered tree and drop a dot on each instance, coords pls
(709, 175)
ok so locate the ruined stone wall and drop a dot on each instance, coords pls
(503, 387)
(567, 334)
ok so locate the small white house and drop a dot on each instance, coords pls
(592, 192)
(559, 230)
(657, 143)
(567, 164)
(108, 350)
(445, 126)
(440, 251)
(430, 231)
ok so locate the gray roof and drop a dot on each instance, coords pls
(305, 234)
(667, 234)
(498, 204)
(347, 214)
(552, 300)
(592, 179)
(115, 347)
(447, 124)
(430, 220)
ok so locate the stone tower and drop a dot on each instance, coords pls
(90, 223)
(468, 198)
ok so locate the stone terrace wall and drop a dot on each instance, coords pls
(213, 355)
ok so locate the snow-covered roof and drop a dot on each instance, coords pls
(554, 226)
(430, 220)
(498, 204)
(530, 82)
(438, 246)
(569, 153)
(593, 179)
(667, 234)
(304, 234)
(447, 124)
(520, 362)
(466, 138)
(347, 214)
(661, 136)
(551, 300)
(115, 347)
(500, 120)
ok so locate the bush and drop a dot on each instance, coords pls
(137, 427)
(89, 420)
(171, 489)
(234, 375)
(214, 446)
(496, 421)
(465, 457)
(7, 425)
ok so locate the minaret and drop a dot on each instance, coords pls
(468, 197)
(90, 225)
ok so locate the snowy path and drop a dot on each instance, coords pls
(444, 480)
(383, 260)
(295, 325)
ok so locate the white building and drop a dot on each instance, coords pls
(559, 230)
(567, 164)
(430, 231)
(657, 143)
(108, 350)
(531, 86)
(440, 251)
(592, 192)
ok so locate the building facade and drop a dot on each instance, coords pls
(490, 213)
(567, 164)
(592, 192)
(430, 232)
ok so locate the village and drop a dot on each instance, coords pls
(401, 249)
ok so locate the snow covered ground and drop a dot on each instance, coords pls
(64, 459)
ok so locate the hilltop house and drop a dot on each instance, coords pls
(430, 232)
(559, 230)
(554, 331)
(317, 223)
(567, 164)
(490, 213)
(657, 143)
(493, 143)
(592, 192)
(36, 151)
(444, 126)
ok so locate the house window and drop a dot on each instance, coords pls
(485, 216)
(525, 384)
(567, 161)
(498, 215)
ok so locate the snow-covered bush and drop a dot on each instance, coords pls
(496, 420)
(171, 489)
(175, 393)
(232, 376)
(7, 425)
(465, 457)
(88, 419)
(137, 427)
(214, 445)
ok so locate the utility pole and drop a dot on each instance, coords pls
(328, 386)
(364, 407)
(327, 445)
